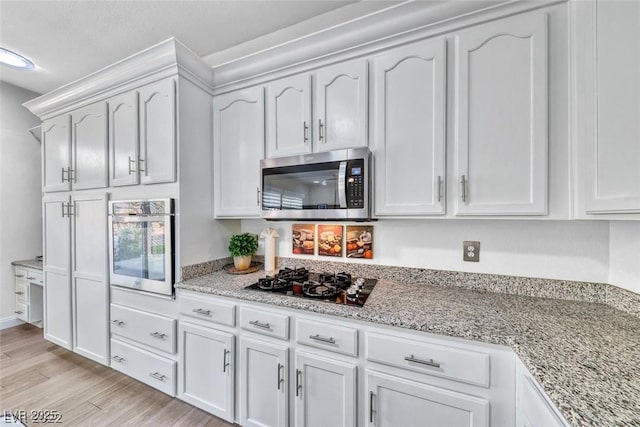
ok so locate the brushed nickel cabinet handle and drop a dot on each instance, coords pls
(280, 379)
(158, 376)
(19, 275)
(224, 360)
(305, 131)
(118, 358)
(134, 162)
(118, 322)
(19, 293)
(258, 196)
(429, 362)
(63, 179)
(464, 188)
(18, 312)
(259, 324)
(140, 161)
(202, 312)
(63, 206)
(371, 395)
(71, 174)
(298, 382)
(159, 335)
(439, 188)
(317, 337)
(320, 130)
(71, 209)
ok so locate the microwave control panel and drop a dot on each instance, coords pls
(355, 184)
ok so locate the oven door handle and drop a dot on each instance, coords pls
(342, 187)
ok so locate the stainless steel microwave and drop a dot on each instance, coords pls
(334, 185)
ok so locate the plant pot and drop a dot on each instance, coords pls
(242, 262)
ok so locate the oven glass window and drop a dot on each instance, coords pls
(307, 187)
(139, 249)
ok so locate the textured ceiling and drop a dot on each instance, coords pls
(70, 39)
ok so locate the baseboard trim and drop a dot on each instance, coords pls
(9, 322)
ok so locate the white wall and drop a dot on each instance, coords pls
(569, 250)
(624, 255)
(20, 189)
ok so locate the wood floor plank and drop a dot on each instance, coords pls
(38, 375)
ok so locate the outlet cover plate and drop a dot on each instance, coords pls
(471, 251)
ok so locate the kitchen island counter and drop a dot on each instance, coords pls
(584, 355)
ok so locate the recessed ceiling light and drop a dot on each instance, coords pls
(15, 60)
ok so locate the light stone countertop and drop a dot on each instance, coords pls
(586, 356)
(29, 263)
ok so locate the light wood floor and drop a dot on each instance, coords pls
(38, 375)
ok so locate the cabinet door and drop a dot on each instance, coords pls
(56, 154)
(501, 117)
(607, 90)
(263, 383)
(238, 147)
(325, 392)
(289, 116)
(157, 162)
(123, 139)
(89, 147)
(393, 401)
(207, 366)
(56, 268)
(409, 148)
(89, 277)
(341, 102)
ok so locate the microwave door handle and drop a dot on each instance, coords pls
(342, 188)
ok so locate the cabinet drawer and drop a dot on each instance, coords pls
(429, 358)
(327, 336)
(34, 276)
(22, 292)
(151, 369)
(150, 329)
(207, 309)
(264, 322)
(22, 311)
(21, 275)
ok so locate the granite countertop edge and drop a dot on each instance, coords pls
(28, 263)
(585, 397)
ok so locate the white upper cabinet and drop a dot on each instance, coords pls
(56, 153)
(238, 147)
(157, 161)
(607, 106)
(341, 106)
(288, 115)
(89, 147)
(409, 85)
(123, 139)
(501, 117)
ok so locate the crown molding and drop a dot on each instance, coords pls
(166, 58)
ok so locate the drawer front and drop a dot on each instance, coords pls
(22, 292)
(206, 309)
(34, 276)
(429, 358)
(22, 311)
(150, 329)
(264, 322)
(151, 369)
(327, 336)
(21, 275)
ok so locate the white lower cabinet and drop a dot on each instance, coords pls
(264, 391)
(394, 401)
(28, 292)
(206, 377)
(325, 391)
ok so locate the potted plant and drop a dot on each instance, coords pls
(242, 247)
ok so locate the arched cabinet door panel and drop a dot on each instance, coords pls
(56, 153)
(409, 86)
(238, 147)
(501, 117)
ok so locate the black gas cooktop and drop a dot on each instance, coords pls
(337, 288)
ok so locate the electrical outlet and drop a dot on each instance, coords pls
(471, 251)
